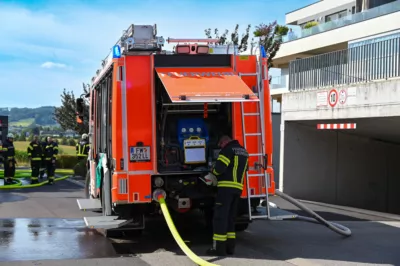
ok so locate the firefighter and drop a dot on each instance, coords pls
(50, 153)
(35, 153)
(9, 159)
(82, 148)
(42, 169)
(227, 175)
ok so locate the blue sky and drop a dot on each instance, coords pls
(46, 46)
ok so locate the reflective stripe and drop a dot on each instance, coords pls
(36, 159)
(30, 147)
(55, 148)
(244, 172)
(235, 168)
(215, 172)
(231, 235)
(29, 154)
(230, 184)
(224, 159)
(217, 237)
(5, 149)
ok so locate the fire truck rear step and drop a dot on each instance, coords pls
(105, 222)
(89, 204)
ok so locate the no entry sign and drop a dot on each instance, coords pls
(332, 97)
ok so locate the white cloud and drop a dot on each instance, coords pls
(76, 38)
(53, 65)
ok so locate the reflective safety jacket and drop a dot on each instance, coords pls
(8, 151)
(82, 148)
(50, 150)
(231, 165)
(35, 151)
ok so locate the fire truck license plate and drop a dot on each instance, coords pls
(140, 154)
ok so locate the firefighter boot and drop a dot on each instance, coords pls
(219, 249)
(34, 180)
(230, 246)
(8, 181)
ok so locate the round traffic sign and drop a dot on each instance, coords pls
(333, 97)
(342, 96)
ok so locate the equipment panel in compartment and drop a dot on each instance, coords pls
(194, 150)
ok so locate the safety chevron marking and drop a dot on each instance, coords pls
(337, 126)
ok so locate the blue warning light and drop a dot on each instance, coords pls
(116, 51)
(263, 53)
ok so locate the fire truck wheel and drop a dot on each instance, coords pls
(241, 227)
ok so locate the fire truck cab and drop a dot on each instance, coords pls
(155, 118)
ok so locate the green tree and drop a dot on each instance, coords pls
(65, 115)
(270, 38)
(223, 39)
(64, 141)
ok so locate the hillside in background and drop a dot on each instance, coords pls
(25, 117)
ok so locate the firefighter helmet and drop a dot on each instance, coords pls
(84, 136)
(10, 135)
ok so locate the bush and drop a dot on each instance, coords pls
(71, 142)
(64, 141)
(66, 161)
(63, 161)
(310, 24)
(21, 156)
(80, 168)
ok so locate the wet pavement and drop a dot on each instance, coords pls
(44, 226)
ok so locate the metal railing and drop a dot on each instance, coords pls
(344, 21)
(374, 61)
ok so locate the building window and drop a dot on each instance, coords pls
(353, 10)
(336, 16)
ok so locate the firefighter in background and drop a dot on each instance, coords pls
(9, 159)
(227, 174)
(82, 147)
(42, 169)
(50, 152)
(35, 153)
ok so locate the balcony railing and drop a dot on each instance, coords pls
(361, 64)
(279, 82)
(345, 21)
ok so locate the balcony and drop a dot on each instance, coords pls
(345, 21)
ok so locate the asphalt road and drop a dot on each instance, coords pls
(43, 226)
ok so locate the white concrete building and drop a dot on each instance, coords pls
(345, 69)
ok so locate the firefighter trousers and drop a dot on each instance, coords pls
(50, 168)
(9, 169)
(35, 167)
(225, 212)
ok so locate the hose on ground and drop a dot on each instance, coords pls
(18, 184)
(338, 228)
(196, 259)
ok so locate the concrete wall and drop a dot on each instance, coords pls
(375, 99)
(276, 135)
(337, 168)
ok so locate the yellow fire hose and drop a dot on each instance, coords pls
(18, 184)
(196, 259)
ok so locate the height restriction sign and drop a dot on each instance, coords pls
(332, 97)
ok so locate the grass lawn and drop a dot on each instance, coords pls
(22, 122)
(23, 145)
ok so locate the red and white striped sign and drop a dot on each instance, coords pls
(337, 126)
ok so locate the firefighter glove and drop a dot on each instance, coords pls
(211, 179)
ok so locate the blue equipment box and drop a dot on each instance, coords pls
(192, 127)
